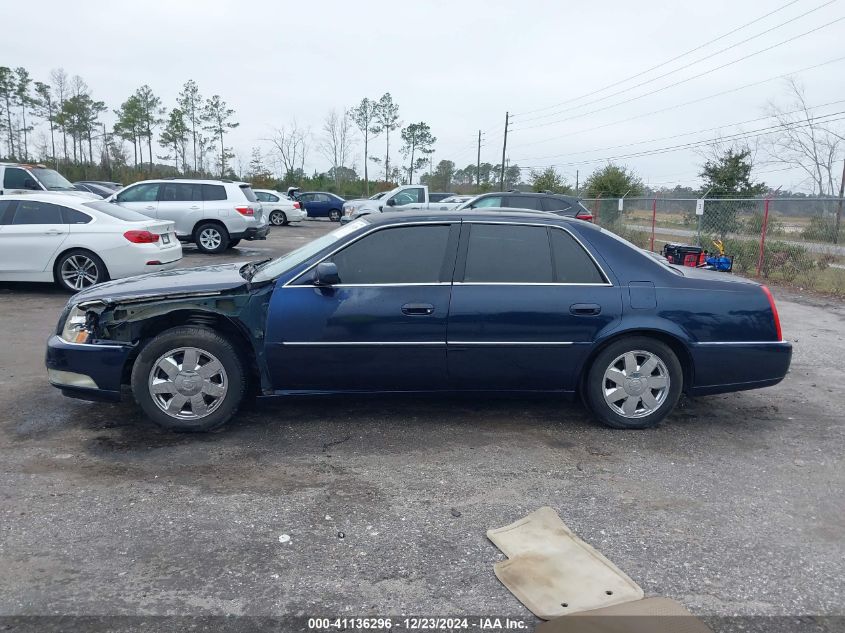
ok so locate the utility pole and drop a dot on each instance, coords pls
(837, 224)
(478, 165)
(577, 174)
(504, 149)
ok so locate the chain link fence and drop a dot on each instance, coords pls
(797, 241)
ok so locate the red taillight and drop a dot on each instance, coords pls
(296, 205)
(245, 210)
(774, 311)
(141, 237)
(587, 217)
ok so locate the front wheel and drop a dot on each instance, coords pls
(634, 383)
(234, 243)
(211, 238)
(278, 218)
(79, 269)
(189, 379)
(334, 215)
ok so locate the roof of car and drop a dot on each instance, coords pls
(494, 214)
(529, 193)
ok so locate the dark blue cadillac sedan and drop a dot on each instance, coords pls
(497, 300)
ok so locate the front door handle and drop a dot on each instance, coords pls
(418, 309)
(585, 309)
(194, 208)
(53, 232)
(150, 208)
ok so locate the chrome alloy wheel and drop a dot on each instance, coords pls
(210, 238)
(188, 383)
(79, 271)
(278, 218)
(636, 384)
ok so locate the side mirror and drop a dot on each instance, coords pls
(326, 274)
(391, 203)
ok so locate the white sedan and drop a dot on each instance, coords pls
(78, 243)
(278, 208)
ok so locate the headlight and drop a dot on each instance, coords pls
(348, 210)
(75, 329)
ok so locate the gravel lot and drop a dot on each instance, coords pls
(733, 507)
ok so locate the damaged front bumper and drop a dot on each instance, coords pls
(89, 371)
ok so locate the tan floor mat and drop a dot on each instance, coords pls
(548, 567)
(651, 615)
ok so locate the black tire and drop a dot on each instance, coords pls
(334, 215)
(211, 237)
(208, 343)
(612, 356)
(234, 243)
(79, 259)
(278, 218)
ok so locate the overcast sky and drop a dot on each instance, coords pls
(458, 66)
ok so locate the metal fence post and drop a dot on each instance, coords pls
(763, 235)
(653, 221)
(596, 206)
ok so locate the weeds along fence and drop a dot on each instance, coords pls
(798, 241)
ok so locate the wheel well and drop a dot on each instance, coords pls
(76, 248)
(201, 222)
(219, 323)
(674, 343)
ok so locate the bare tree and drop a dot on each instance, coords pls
(61, 88)
(335, 143)
(805, 141)
(290, 145)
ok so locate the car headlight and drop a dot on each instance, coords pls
(76, 329)
(348, 210)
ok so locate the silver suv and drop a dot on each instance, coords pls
(213, 214)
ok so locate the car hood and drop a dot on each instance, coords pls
(204, 280)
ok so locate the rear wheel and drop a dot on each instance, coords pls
(278, 218)
(189, 379)
(334, 215)
(211, 238)
(79, 269)
(634, 383)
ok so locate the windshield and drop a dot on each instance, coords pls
(273, 269)
(378, 195)
(52, 179)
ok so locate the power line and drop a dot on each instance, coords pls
(688, 79)
(660, 65)
(666, 138)
(693, 63)
(671, 148)
(686, 103)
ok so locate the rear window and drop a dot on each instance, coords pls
(249, 193)
(116, 211)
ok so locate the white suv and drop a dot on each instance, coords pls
(214, 214)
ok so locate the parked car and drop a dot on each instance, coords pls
(439, 196)
(404, 198)
(95, 188)
(79, 243)
(321, 204)
(559, 204)
(495, 300)
(213, 214)
(103, 188)
(278, 208)
(17, 178)
(458, 199)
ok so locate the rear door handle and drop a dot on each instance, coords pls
(53, 232)
(150, 208)
(585, 309)
(194, 208)
(418, 309)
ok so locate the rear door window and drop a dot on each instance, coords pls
(213, 192)
(572, 263)
(179, 192)
(508, 253)
(491, 201)
(5, 205)
(32, 212)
